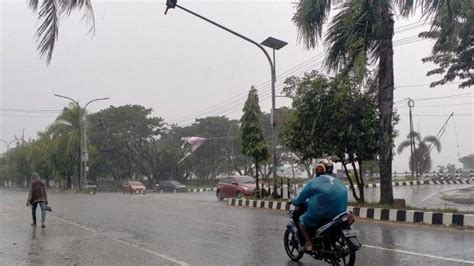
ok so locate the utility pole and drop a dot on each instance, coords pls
(270, 42)
(414, 168)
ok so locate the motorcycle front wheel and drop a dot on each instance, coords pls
(291, 245)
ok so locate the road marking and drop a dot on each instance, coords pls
(432, 195)
(130, 244)
(223, 224)
(419, 254)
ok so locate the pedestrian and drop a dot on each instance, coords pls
(37, 196)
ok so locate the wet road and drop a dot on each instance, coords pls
(194, 229)
(424, 196)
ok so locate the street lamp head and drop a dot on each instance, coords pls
(274, 43)
(170, 4)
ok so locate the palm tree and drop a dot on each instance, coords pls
(49, 12)
(360, 34)
(422, 151)
(67, 129)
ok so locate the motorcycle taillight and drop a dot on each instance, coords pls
(350, 218)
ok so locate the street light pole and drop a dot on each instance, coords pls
(270, 42)
(275, 44)
(83, 153)
(414, 164)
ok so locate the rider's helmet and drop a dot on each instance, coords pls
(328, 164)
(320, 169)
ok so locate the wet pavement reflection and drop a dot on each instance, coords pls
(194, 228)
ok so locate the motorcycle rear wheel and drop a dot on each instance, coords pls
(352, 259)
(291, 245)
(352, 256)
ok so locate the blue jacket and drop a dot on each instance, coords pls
(326, 197)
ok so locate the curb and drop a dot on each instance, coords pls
(394, 215)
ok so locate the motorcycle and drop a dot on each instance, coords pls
(334, 242)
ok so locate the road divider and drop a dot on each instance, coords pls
(394, 215)
(207, 189)
(374, 185)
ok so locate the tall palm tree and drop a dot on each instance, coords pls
(422, 151)
(361, 34)
(67, 129)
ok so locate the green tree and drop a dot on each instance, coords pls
(453, 32)
(441, 168)
(66, 132)
(253, 140)
(216, 156)
(331, 117)
(40, 157)
(422, 151)
(21, 168)
(126, 139)
(362, 33)
(451, 168)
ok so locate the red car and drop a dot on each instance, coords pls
(133, 187)
(235, 186)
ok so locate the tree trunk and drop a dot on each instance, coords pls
(385, 101)
(150, 181)
(309, 173)
(354, 193)
(256, 179)
(361, 181)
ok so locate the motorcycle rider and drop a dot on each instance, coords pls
(324, 197)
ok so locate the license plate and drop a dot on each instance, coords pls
(355, 242)
(350, 233)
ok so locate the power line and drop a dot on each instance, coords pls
(29, 116)
(437, 105)
(243, 96)
(445, 96)
(29, 110)
(420, 85)
(437, 115)
(411, 27)
(237, 102)
(410, 24)
(408, 42)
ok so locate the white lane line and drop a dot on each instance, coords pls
(419, 254)
(163, 256)
(223, 224)
(432, 195)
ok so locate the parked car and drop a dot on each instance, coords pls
(133, 187)
(170, 186)
(235, 186)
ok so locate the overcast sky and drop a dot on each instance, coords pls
(183, 67)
